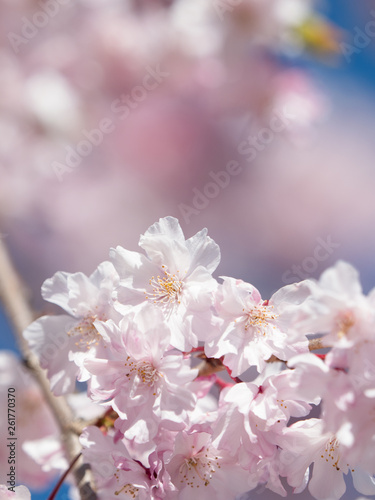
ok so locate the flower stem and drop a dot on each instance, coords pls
(62, 478)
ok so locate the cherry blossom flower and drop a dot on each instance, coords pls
(348, 404)
(140, 378)
(250, 420)
(174, 276)
(116, 474)
(338, 308)
(199, 470)
(62, 343)
(304, 443)
(253, 329)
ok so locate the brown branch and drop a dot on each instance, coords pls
(12, 293)
(209, 366)
(213, 365)
(315, 344)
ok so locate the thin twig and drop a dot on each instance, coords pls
(12, 294)
(62, 479)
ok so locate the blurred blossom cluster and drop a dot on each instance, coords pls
(109, 108)
(37, 428)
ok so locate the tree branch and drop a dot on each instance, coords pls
(213, 365)
(12, 293)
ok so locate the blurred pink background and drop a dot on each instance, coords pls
(225, 76)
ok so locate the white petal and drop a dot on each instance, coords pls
(342, 278)
(203, 251)
(304, 482)
(327, 483)
(363, 482)
(56, 290)
(168, 226)
(164, 243)
(49, 340)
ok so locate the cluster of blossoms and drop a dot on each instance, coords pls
(134, 331)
